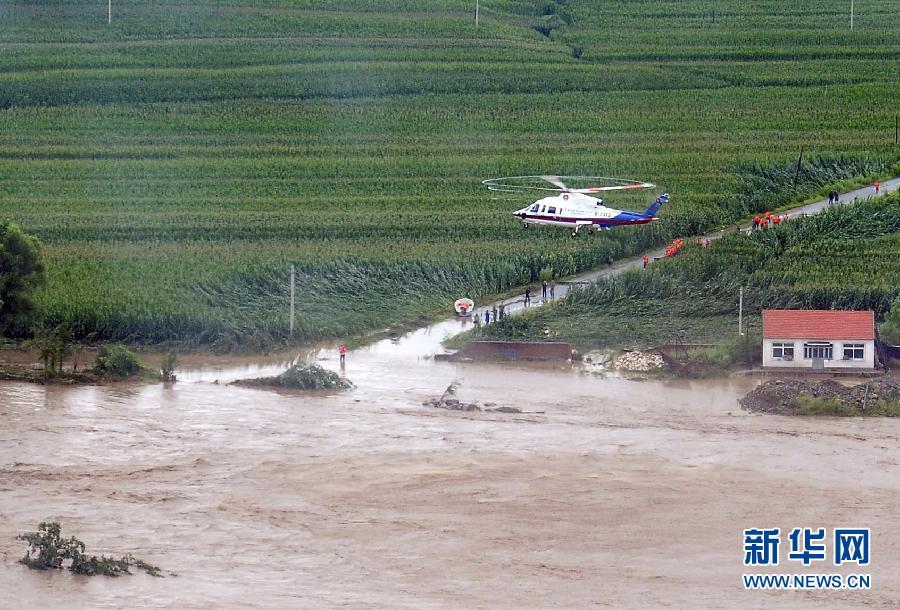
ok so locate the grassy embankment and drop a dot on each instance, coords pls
(844, 258)
(177, 161)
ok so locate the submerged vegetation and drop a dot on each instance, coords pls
(48, 550)
(176, 162)
(304, 376)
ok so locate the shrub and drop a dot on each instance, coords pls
(167, 368)
(306, 376)
(116, 361)
(47, 550)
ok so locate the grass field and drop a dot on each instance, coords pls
(177, 161)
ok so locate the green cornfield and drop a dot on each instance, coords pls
(846, 257)
(177, 161)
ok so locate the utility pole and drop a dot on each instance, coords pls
(797, 175)
(292, 302)
(851, 14)
(741, 312)
(476, 13)
(109, 13)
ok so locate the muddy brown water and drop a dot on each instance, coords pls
(606, 492)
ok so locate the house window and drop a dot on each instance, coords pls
(783, 351)
(854, 351)
(818, 350)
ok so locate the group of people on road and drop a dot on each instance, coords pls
(833, 197)
(547, 288)
(490, 315)
(767, 219)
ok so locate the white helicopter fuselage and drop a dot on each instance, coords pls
(576, 210)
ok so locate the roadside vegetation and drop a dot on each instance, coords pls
(176, 162)
(843, 258)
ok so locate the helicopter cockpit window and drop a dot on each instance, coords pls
(535, 208)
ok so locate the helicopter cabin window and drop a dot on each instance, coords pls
(535, 208)
(543, 208)
(551, 210)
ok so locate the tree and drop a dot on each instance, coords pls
(21, 273)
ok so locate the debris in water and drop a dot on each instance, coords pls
(48, 551)
(449, 402)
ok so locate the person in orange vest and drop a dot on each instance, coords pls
(768, 216)
(776, 219)
(877, 187)
(756, 221)
(343, 352)
(646, 261)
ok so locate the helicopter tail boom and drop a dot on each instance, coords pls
(654, 207)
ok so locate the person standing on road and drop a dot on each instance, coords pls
(609, 261)
(527, 296)
(495, 312)
(877, 187)
(552, 289)
(343, 352)
(476, 320)
(837, 196)
(487, 317)
(756, 221)
(544, 289)
(502, 311)
(646, 261)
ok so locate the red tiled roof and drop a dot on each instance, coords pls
(818, 324)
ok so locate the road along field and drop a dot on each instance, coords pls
(846, 257)
(177, 161)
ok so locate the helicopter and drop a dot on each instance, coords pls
(576, 208)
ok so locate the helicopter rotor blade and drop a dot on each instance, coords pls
(617, 187)
(555, 181)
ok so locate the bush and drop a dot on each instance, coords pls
(47, 550)
(806, 404)
(116, 361)
(167, 368)
(306, 376)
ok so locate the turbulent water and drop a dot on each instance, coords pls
(603, 492)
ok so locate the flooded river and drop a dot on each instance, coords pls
(604, 492)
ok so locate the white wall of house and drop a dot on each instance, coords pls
(777, 353)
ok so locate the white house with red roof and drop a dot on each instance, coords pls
(818, 339)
